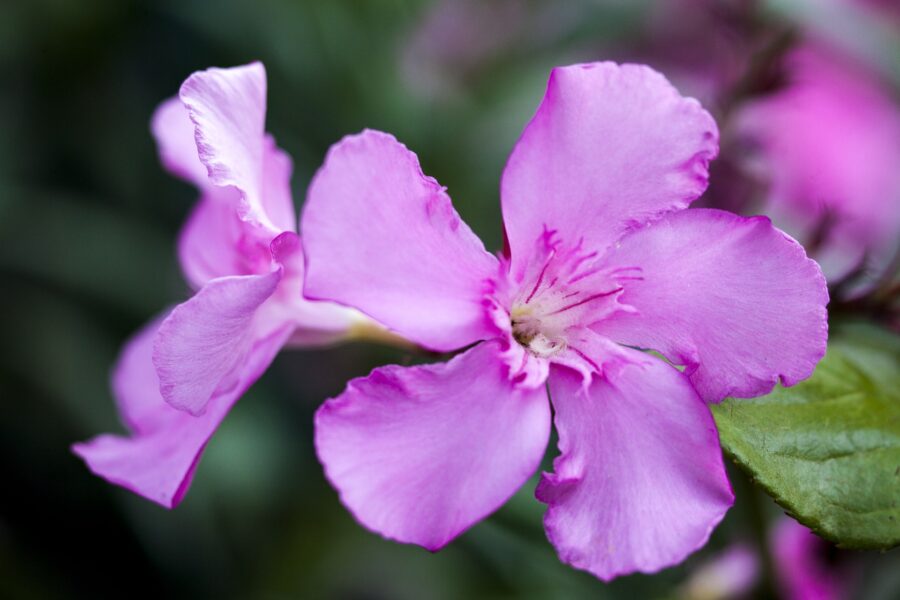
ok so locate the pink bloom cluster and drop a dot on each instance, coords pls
(179, 376)
(602, 257)
(829, 147)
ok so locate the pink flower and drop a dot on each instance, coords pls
(805, 567)
(240, 250)
(803, 570)
(829, 147)
(733, 573)
(600, 257)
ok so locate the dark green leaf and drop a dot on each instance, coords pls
(828, 449)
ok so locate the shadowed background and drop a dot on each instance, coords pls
(88, 223)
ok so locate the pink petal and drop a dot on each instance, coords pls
(159, 459)
(316, 323)
(610, 147)
(228, 109)
(215, 242)
(419, 454)
(639, 483)
(174, 133)
(382, 237)
(209, 244)
(202, 344)
(248, 182)
(277, 199)
(733, 298)
(134, 383)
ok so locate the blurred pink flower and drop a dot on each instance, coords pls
(803, 570)
(731, 574)
(829, 147)
(457, 38)
(703, 46)
(600, 256)
(888, 10)
(805, 567)
(240, 250)
(457, 42)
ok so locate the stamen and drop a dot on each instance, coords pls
(585, 301)
(581, 276)
(540, 278)
(585, 358)
(583, 258)
(543, 346)
(561, 279)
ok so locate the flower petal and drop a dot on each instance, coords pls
(316, 323)
(209, 243)
(609, 148)
(733, 298)
(228, 109)
(215, 242)
(202, 344)
(134, 383)
(277, 199)
(639, 483)
(174, 133)
(419, 454)
(382, 237)
(159, 459)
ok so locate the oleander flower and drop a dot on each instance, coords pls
(806, 567)
(240, 250)
(600, 259)
(828, 145)
(731, 574)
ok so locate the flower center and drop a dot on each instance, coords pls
(530, 332)
(563, 288)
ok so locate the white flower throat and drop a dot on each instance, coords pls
(564, 288)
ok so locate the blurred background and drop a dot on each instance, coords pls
(88, 223)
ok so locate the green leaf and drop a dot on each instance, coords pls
(828, 449)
